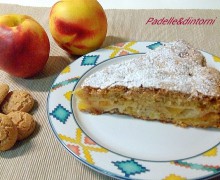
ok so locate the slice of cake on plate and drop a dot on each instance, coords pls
(170, 84)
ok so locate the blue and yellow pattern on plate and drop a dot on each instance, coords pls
(123, 147)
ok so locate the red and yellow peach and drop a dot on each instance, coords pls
(24, 45)
(78, 26)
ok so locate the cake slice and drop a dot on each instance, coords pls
(170, 84)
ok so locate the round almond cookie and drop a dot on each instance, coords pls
(4, 89)
(8, 133)
(24, 122)
(17, 100)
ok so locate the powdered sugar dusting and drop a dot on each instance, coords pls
(174, 66)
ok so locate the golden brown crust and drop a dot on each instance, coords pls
(156, 92)
(171, 83)
(176, 66)
(168, 106)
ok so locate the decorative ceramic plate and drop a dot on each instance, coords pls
(124, 147)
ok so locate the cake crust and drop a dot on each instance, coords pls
(163, 105)
(171, 84)
(175, 66)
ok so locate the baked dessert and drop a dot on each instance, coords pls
(170, 84)
(4, 89)
(24, 122)
(17, 100)
(8, 133)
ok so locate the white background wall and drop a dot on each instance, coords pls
(133, 4)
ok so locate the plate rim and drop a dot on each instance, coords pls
(92, 166)
(75, 119)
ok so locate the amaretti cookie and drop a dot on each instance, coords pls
(17, 100)
(8, 133)
(4, 89)
(24, 122)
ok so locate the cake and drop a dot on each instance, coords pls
(170, 84)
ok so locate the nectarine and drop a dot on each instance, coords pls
(78, 26)
(24, 45)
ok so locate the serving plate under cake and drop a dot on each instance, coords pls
(123, 147)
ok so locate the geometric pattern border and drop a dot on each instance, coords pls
(95, 156)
